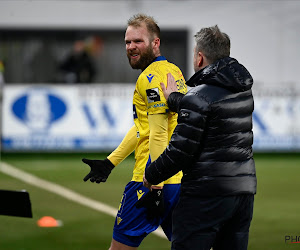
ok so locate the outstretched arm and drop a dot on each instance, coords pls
(101, 169)
(125, 148)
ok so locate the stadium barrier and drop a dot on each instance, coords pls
(95, 117)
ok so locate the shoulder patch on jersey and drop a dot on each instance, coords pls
(150, 77)
(153, 95)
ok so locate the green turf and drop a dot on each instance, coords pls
(277, 205)
(276, 212)
(83, 228)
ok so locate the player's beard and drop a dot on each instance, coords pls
(146, 58)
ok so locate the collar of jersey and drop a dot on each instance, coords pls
(159, 58)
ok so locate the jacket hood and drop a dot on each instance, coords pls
(226, 72)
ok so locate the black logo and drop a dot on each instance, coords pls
(153, 95)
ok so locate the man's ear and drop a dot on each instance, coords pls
(200, 59)
(156, 43)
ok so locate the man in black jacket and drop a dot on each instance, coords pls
(212, 145)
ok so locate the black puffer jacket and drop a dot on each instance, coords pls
(212, 143)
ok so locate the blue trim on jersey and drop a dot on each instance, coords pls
(134, 112)
(148, 162)
(159, 58)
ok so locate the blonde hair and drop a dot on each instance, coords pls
(152, 27)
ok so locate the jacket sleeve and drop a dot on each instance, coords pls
(174, 100)
(185, 144)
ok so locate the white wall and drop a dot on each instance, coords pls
(265, 34)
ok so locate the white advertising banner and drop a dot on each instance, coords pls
(96, 117)
(276, 122)
(65, 117)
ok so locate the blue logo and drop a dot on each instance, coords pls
(150, 77)
(39, 109)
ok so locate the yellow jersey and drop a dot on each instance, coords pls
(148, 99)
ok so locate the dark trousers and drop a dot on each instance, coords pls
(223, 223)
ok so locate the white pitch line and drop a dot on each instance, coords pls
(62, 191)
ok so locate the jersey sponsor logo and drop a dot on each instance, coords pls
(158, 105)
(153, 95)
(150, 77)
(139, 193)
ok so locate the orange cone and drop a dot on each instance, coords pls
(48, 221)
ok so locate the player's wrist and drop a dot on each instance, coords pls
(113, 160)
(108, 163)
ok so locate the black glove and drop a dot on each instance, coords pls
(153, 201)
(100, 170)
